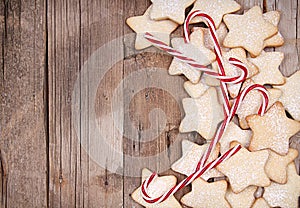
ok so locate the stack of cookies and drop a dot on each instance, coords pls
(263, 172)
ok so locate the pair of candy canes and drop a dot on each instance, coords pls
(229, 111)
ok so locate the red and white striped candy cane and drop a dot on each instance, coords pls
(231, 80)
(233, 110)
(212, 31)
(186, 181)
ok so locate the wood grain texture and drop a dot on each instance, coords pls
(63, 65)
(76, 30)
(53, 59)
(23, 104)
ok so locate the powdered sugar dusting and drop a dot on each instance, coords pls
(268, 65)
(191, 155)
(172, 9)
(284, 195)
(215, 8)
(202, 114)
(291, 95)
(234, 133)
(245, 168)
(243, 199)
(205, 194)
(248, 31)
(273, 130)
(195, 90)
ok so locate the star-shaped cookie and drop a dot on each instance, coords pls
(277, 164)
(191, 155)
(245, 169)
(202, 114)
(272, 130)
(276, 40)
(234, 133)
(243, 199)
(291, 95)
(170, 9)
(215, 8)
(206, 194)
(195, 90)
(284, 195)
(159, 186)
(142, 24)
(195, 50)
(268, 65)
(249, 30)
(260, 203)
(252, 101)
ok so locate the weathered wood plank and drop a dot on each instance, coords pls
(269, 5)
(3, 165)
(102, 33)
(76, 31)
(23, 104)
(64, 63)
(288, 28)
(132, 8)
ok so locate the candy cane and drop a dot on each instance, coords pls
(233, 110)
(217, 48)
(211, 26)
(233, 80)
(186, 181)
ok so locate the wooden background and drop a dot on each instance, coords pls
(44, 44)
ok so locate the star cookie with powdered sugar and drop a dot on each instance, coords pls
(284, 195)
(170, 9)
(277, 39)
(272, 130)
(260, 203)
(196, 50)
(202, 114)
(276, 166)
(243, 199)
(268, 64)
(234, 133)
(142, 24)
(157, 187)
(215, 8)
(252, 101)
(291, 95)
(231, 70)
(249, 30)
(251, 171)
(204, 194)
